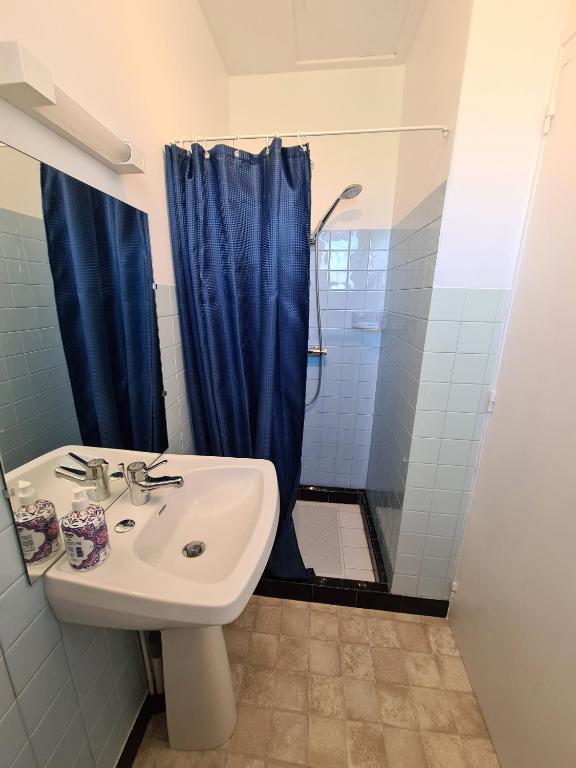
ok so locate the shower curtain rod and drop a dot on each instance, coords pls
(307, 134)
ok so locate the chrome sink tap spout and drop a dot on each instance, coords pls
(94, 476)
(140, 483)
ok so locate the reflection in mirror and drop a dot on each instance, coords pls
(80, 366)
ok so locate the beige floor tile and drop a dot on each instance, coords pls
(348, 611)
(281, 764)
(295, 622)
(382, 633)
(291, 690)
(396, 707)
(157, 728)
(160, 756)
(365, 744)
(246, 618)
(263, 600)
(245, 761)
(434, 620)
(442, 640)
(356, 661)
(268, 619)
(467, 714)
(433, 710)
(413, 637)
(353, 629)
(263, 650)
(301, 605)
(323, 626)
(325, 696)
(443, 751)
(288, 737)
(453, 672)
(479, 753)
(393, 616)
(324, 608)
(390, 665)
(326, 743)
(237, 641)
(293, 653)
(237, 672)
(422, 669)
(142, 757)
(360, 700)
(252, 731)
(325, 657)
(404, 748)
(257, 686)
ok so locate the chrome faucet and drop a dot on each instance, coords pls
(94, 475)
(140, 483)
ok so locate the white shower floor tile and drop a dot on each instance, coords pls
(332, 540)
(318, 536)
(350, 516)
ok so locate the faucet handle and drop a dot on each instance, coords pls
(86, 462)
(157, 464)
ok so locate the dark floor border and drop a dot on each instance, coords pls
(374, 544)
(153, 704)
(351, 496)
(354, 594)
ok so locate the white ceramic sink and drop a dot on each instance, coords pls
(231, 506)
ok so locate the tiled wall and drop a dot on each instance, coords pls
(412, 259)
(337, 428)
(437, 361)
(69, 694)
(180, 438)
(37, 411)
(460, 352)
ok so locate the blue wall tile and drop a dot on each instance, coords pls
(44, 724)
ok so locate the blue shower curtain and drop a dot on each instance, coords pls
(99, 253)
(240, 228)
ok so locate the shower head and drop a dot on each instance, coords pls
(347, 193)
(352, 191)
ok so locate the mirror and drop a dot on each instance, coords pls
(80, 371)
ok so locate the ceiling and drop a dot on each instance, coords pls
(264, 36)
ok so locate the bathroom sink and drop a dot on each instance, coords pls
(187, 566)
(148, 582)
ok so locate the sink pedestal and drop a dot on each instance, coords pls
(200, 705)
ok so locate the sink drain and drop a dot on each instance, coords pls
(193, 549)
(124, 526)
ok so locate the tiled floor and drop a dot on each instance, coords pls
(332, 540)
(329, 687)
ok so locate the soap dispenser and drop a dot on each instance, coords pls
(36, 524)
(85, 533)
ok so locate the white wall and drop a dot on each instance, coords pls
(514, 614)
(509, 68)
(431, 90)
(22, 192)
(347, 98)
(149, 71)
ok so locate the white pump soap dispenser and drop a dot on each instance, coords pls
(36, 524)
(85, 533)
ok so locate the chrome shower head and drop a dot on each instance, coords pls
(352, 191)
(347, 193)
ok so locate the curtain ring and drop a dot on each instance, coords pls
(302, 146)
(236, 150)
(267, 142)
